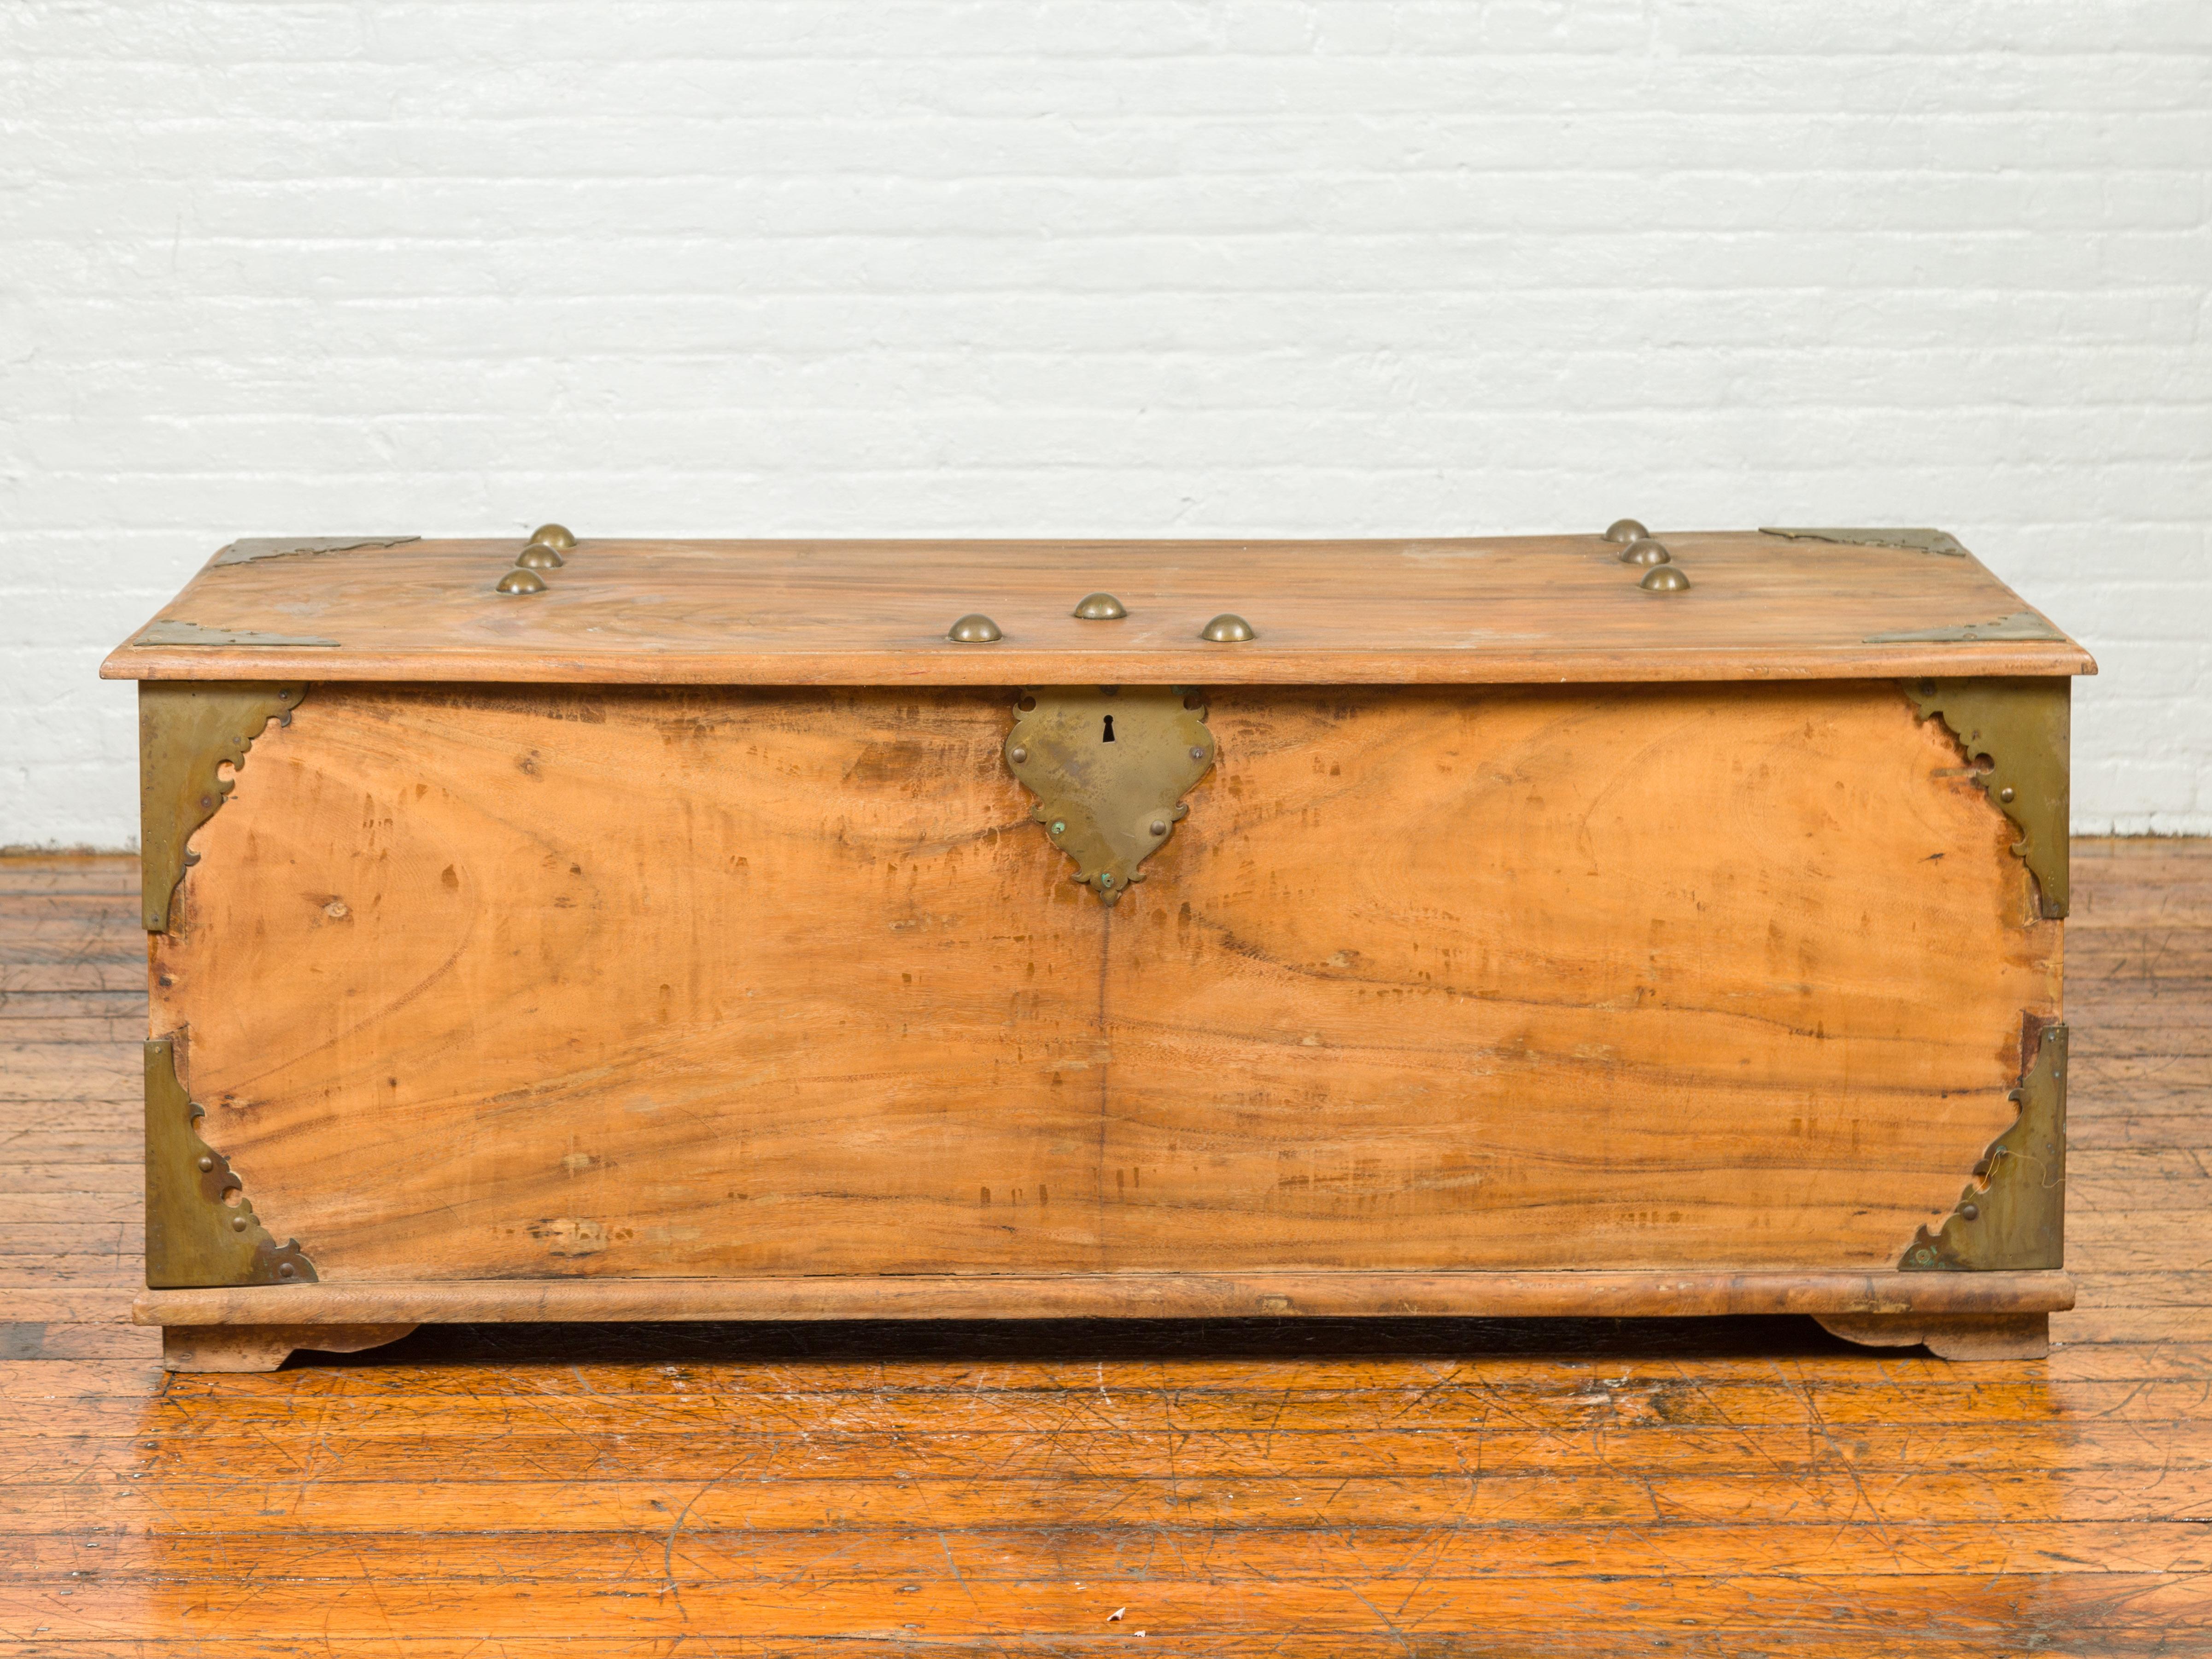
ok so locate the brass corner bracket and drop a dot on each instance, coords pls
(187, 730)
(2023, 728)
(1108, 765)
(2013, 1215)
(1940, 542)
(195, 1235)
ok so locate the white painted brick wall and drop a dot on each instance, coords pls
(1137, 267)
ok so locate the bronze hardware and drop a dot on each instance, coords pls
(539, 555)
(1916, 541)
(1644, 550)
(554, 535)
(191, 633)
(521, 582)
(1108, 766)
(2016, 1219)
(973, 628)
(1227, 628)
(2020, 625)
(1101, 607)
(1625, 530)
(2023, 728)
(187, 730)
(1664, 579)
(248, 548)
(195, 1235)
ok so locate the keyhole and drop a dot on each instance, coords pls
(1109, 738)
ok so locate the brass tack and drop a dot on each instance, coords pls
(1972, 1211)
(283, 1270)
(540, 555)
(1100, 607)
(1158, 827)
(1664, 579)
(237, 1224)
(2005, 793)
(1625, 530)
(521, 582)
(1060, 826)
(554, 535)
(973, 628)
(1196, 753)
(1018, 756)
(206, 1163)
(1644, 550)
(1227, 628)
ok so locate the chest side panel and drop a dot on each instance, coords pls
(1640, 977)
(507, 983)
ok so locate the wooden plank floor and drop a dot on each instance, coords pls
(1442, 1487)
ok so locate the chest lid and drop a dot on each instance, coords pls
(1846, 604)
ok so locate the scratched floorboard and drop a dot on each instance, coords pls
(1348, 1488)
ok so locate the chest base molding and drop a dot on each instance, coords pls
(1118, 1295)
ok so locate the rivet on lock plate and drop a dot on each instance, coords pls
(1110, 765)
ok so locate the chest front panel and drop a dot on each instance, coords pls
(491, 981)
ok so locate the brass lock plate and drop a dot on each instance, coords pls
(1108, 765)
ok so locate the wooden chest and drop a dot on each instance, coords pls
(709, 930)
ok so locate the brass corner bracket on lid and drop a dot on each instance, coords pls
(188, 730)
(195, 1234)
(2023, 728)
(1940, 543)
(1108, 766)
(2015, 1217)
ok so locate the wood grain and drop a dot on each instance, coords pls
(1276, 1487)
(1542, 609)
(1567, 979)
(684, 983)
(487, 983)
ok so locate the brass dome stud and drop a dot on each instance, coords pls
(1227, 628)
(521, 581)
(554, 535)
(1664, 579)
(1101, 607)
(973, 628)
(1625, 530)
(540, 555)
(1644, 550)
